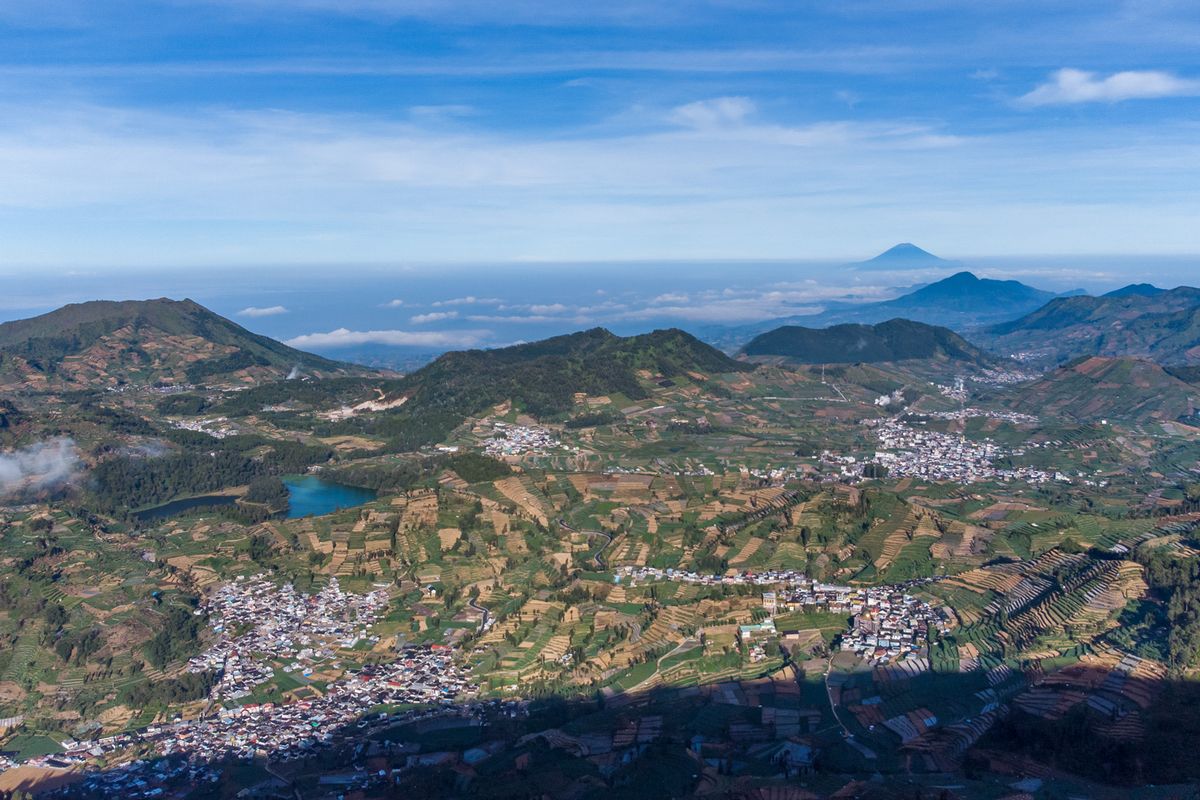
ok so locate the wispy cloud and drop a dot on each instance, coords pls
(223, 186)
(1071, 86)
(469, 300)
(269, 311)
(443, 112)
(344, 337)
(717, 112)
(433, 316)
(397, 303)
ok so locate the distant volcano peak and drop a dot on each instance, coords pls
(905, 254)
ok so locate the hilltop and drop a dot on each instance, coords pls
(1163, 326)
(108, 343)
(543, 376)
(895, 340)
(1143, 289)
(539, 378)
(904, 256)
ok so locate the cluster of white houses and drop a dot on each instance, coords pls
(258, 621)
(909, 450)
(511, 440)
(422, 677)
(887, 623)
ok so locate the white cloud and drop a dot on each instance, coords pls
(394, 304)
(269, 311)
(715, 113)
(434, 316)
(1069, 86)
(548, 308)
(469, 300)
(343, 337)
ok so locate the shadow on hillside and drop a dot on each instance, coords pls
(735, 739)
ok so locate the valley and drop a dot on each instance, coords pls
(805, 566)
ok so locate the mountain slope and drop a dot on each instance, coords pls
(1093, 388)
(107, 343)
(1143, 289)
(895, 340)
(904, 256)
(1163, 326)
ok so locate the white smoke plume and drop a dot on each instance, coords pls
(295, 373)
(39, 467)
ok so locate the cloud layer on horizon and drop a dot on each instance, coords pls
(344, 337)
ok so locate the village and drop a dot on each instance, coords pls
(216, 427)
(909, 451)
(511, 440)
(425, 677)
(887, 623)
(258, 621)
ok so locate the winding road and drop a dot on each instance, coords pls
(596, 557)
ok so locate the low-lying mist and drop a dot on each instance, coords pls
(40, 467)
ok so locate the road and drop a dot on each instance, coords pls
(596, 557)
(846, 732)
(486, 614)
(684, 646)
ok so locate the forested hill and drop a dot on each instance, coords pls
(540, 378)
(543, 376)
(109, 342)
(895, 340)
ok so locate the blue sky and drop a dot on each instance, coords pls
(174, 134)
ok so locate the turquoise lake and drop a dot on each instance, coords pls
(311, 495)
(307, 494)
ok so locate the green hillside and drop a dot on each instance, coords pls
(110, 342)
(541, 378)
(1163, 326)
(895, 340)
(1093, 388)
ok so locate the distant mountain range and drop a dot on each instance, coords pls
(961, 302)
(1139, 320)
(107, 343)
(895, 340)
(904, 256)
